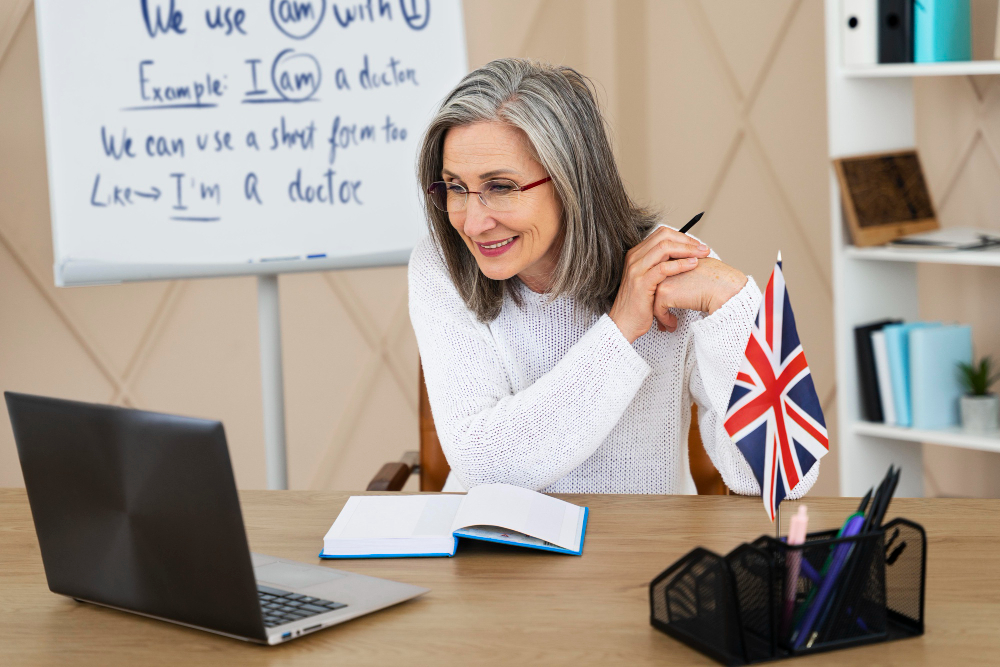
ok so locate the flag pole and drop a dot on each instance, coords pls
(777, 522)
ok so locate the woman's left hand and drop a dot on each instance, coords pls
(705, 288)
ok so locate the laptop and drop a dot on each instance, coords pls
(138, 511)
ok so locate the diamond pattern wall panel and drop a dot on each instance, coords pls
(324, 361)
(789, 121)
(746, 36)
(741, 134)
(958, 136)
(693, 127)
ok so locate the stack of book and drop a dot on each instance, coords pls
(905, 31)
(908, 372)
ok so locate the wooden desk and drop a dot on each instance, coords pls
(499, 605)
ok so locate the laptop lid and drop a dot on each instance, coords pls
(137, 510)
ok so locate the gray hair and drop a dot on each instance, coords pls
(557, 109)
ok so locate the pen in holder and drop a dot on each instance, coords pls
(846, 591)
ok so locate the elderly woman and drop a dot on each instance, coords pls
(535, 296)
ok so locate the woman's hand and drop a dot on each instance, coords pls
(706, 288)
(663, 254)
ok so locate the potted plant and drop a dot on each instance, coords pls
(980, 408)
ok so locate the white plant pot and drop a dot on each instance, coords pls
(980, 414)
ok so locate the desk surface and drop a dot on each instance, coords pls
(501, 605)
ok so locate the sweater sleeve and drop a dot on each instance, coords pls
(489, 433)
(716, 348)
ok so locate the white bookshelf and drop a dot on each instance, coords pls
(965, 68)
(988, 257)
(870, 110)
(951, 437)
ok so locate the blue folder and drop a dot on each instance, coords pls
(897, 344)
(942, 30)
(935, 353)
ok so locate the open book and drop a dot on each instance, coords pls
(429, 525)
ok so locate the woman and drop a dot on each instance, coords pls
(534, 298)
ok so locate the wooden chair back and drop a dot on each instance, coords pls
(707, 478)
(434, 466)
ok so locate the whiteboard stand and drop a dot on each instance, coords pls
(272, 380)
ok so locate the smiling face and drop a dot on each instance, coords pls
(524, 241)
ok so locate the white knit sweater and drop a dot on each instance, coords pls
(548, 398)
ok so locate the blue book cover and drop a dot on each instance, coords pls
(935, 353)
(942, 30)
(897, 343)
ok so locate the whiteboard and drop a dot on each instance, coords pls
(190, 138)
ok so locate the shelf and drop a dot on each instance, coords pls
(952, 437)
(958, 68)
(987, 257)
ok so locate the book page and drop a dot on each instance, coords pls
(521, 510)
(382, 517)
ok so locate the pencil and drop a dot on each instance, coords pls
(691, 223)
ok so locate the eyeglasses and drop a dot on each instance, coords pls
(500, 194)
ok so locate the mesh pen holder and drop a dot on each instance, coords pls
(767, 600)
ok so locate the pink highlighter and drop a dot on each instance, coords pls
(796, 535)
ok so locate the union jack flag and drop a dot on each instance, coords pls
(774, 415)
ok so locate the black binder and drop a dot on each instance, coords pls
(895, 31)
(871, 404)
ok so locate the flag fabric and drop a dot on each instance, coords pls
(774, 416)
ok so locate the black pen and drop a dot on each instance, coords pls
(890, 488)
(864, 501)
(890, 492)
(873, 520)
(876, 502)
(691, 223)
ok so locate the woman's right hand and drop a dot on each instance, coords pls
(665, 252)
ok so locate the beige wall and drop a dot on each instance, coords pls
(714, 105)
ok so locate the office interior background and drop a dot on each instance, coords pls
(714, 105)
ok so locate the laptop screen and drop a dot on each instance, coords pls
(137, 510)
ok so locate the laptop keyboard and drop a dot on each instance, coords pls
(283, 607)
